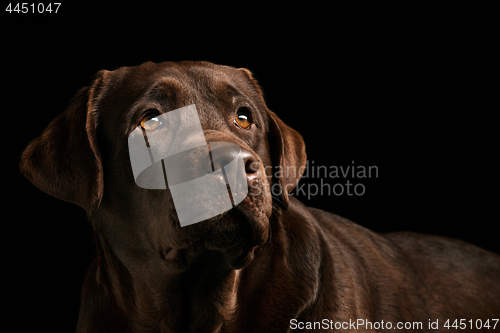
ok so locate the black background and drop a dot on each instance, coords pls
(408, 88)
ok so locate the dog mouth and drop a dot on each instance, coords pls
(233, 242)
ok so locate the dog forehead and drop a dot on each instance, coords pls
(171, 79)
(196, 72)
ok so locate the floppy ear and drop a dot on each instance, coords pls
(287, 149)
(288, 153)
(64, 160)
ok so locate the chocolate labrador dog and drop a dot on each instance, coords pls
(269, 264)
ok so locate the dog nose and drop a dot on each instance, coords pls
(222, 156)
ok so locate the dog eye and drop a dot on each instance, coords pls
(150, 122)
(242, 119)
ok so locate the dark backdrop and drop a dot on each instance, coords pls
(407, 89)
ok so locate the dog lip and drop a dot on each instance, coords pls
(224, 248)
(173, 249)
(175, 259)
(170, 253)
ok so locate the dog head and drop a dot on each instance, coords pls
(83, 157)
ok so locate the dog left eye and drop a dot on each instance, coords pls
(242, 119)
(150, 122)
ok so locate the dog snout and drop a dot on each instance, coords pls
(196, 162)
(187, 165)
(224, 155)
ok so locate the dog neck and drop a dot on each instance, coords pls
(200, 299)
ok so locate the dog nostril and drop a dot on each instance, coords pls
(251, 164)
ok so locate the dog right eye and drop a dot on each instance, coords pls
(242, 118)
(150, 122)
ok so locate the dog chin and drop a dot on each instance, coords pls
(238, 240)
(233, 237)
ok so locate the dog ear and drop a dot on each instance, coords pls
(288, 152)
(64, 160)
(287, 149)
